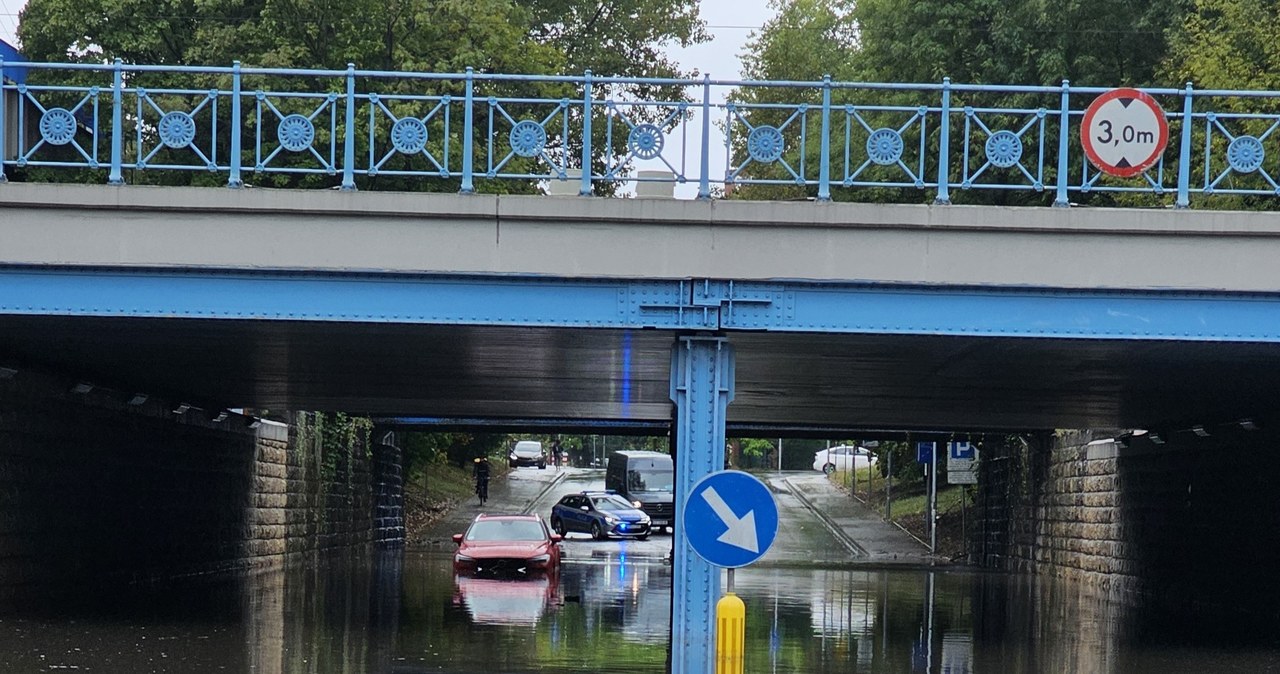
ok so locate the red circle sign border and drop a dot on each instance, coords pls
(1087, 143)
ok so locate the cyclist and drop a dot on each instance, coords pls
(480, 472)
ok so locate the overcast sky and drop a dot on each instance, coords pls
(730, 23)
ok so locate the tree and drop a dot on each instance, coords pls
(1028, 42)
(623, 37)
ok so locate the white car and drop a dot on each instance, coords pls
(844, 457)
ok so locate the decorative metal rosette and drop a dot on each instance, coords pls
(296, 133)
(409, 135)
(765, 144)
(645, 141)
(177, 129)
(1004, 148)
(884, 146)
(57, 126)
(528, 138)
(1245, 154)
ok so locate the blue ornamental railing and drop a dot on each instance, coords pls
(359, 124)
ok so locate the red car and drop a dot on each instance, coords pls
(515, 545)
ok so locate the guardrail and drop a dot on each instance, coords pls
(361, 124)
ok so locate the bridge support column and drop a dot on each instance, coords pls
(701, 387)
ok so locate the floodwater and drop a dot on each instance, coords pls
(406, 613)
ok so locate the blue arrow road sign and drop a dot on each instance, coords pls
(960, 450)
(924, 452)
(730, 518)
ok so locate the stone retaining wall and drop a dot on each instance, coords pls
(99, 484)
(1184, 520)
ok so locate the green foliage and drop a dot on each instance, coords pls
(1029, 42)
(623, 37)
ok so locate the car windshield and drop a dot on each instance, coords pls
(611, 503)
(651, 480)
(506, 530)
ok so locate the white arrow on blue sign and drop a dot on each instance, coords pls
(730, 518)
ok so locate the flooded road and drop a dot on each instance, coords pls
(402, 613)
(608, 611)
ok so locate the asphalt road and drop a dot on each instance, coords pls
(819, 525)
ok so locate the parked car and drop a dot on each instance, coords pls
(844, 457)
(527, 453)
(647, 480)
(601, 514)
(515, 545)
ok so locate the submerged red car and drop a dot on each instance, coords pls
(514, 545)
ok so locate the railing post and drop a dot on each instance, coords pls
(468, 121)
(585, 189)
(704, 163)
(116, 177)
(944, 147)
(1064, 145)
(1184, 153)
(233, 180)
(349, 140)
(3, 129)
(824, 156)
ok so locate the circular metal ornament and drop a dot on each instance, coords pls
(57, 126)
(295, 133)
(177, 129)
(765, 144)
(1004, 148)
(1245, 154)
(884, 146)
(408, 135)
(645, 141)
(528, 138)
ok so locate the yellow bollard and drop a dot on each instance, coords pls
(731, 632)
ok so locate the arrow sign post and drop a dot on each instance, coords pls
(730, 519)
(1124, 132)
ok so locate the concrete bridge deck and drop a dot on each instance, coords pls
(319, 231)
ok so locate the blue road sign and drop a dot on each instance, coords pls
(730, 518)
(925, 451)
(960, 450)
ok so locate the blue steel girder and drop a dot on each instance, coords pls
(459, 300)
(702, 377)
(864, 308)
(701, 305)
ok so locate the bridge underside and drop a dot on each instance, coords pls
(784, 382)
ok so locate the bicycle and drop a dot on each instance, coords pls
(482, 489)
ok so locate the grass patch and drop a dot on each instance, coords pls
(911, 503)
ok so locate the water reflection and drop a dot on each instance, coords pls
(502, 601)
(363, 613)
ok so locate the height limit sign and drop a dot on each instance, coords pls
(1124, 132)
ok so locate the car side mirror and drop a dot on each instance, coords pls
(586, 509)
(457, 538)
(556, 538)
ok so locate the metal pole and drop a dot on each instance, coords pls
(933, 501)
(888, 488)
(779, 455)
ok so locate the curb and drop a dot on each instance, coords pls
(845, 540)
(528, 505)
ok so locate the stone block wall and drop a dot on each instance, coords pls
(1185, 520)
(100, 485)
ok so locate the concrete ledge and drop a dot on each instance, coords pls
(330, 230)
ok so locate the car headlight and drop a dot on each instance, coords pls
(635, 503)
(540, 559)
(644, 519)
(610, 520)
(462, 558)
